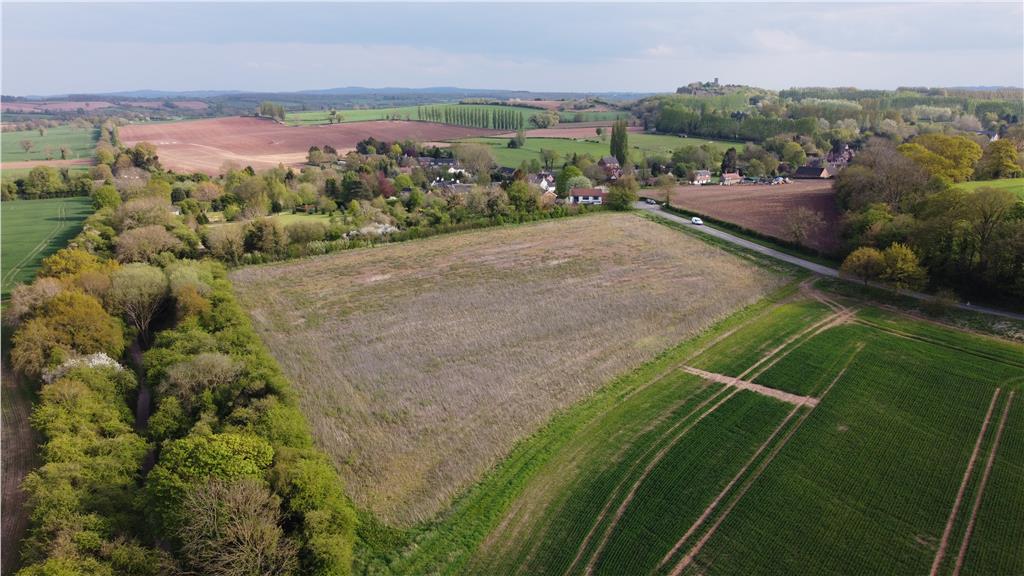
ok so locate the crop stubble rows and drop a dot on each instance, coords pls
(421, 364)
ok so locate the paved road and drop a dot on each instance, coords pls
(797, 261)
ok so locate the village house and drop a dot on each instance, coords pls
(431, 162)
(611, 167)
(544, 180)
(812, 172)
(594, 196)
(701, 177)
(730, 178)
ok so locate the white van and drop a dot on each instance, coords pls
(697, 221)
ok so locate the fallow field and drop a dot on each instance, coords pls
(765, 208)
(420, 365)
(800, 436)
(206, 145)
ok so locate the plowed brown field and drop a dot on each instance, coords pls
(206, 145)
(765, 208)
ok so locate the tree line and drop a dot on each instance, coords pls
(473, 116)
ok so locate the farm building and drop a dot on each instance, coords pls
(701, 177)
(587, 195)
(812, 172)
(729, 178)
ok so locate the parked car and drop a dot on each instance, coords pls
(697, 221)
(651, 201)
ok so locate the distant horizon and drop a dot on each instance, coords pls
(99, 48)
(214, 92)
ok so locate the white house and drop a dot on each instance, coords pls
(593, 196)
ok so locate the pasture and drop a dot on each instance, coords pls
(421, 364)
(765, 208)
(80, 141)
(587, 142)
(34, 229)
(801, 435)
(1015, 185)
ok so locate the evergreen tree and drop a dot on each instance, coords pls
(620, 141)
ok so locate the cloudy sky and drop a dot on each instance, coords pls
(51, 48)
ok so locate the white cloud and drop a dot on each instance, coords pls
(778, 41)
(660, 51)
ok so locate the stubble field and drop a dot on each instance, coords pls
(421, 364)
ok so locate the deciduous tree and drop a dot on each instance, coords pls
(137, 292)
(865, 263)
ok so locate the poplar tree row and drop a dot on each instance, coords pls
(477, 117)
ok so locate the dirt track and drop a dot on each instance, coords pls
(18, 458)
(764, 208)
(206, 145)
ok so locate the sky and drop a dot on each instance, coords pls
(82, 47)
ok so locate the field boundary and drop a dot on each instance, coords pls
(734, 381)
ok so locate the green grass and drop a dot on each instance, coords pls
(639, 145)
(34, 229)
(81, 141)
(568, 117)
(402, 112)
(10, 174)
(1011, 184)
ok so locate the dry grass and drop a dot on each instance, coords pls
(420, 364)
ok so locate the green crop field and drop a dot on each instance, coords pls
(1012, 184)
(81, 141)
(569, 116)
(401, 113)
(844, 450)
(639, 145)
(34, 229)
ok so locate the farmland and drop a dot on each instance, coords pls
(567, 141)
(34, 229)
(1015, 185)
(854, 441)
(396, 113)
(765, 208)
(410, 113)
(420, 365)
(206, 145)
(80, 141)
